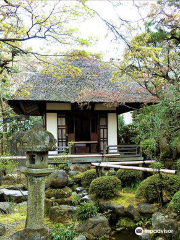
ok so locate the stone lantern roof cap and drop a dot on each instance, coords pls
(38, 140)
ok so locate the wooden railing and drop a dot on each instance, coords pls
(131, 150)
(125, 150)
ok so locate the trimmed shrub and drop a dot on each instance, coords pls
(150, 188)
(157, 165)
(128, 177)
(105, 187)
(87, 177)
(86, 210)
(175, 202)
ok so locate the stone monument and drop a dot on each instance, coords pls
(36, 142)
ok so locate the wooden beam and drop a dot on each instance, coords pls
(130, 162)
(143, 169)
(22, 107)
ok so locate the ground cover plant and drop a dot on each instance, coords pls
(86, 210)
(61, 232)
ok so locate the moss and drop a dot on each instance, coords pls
(15, 216)
(58, 193)
(125, 199)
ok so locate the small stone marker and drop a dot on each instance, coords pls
(36, 142)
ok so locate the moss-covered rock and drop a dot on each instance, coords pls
(62, 214)
(54, 202)
(94, 228)
(31, 235)
(58, 179)
(58, 193)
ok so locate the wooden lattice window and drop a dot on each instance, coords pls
(62, 131)
(103, 133)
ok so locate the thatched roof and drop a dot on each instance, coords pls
(93, 85)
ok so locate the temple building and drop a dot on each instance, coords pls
(83, 110)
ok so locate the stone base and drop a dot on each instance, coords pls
(41, 234)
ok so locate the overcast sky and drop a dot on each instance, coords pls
(97, 28)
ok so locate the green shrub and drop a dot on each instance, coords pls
(78, 177)
(157, 165)
(175, 202)
(87, 177)
(61, 232)
(126, 223)
(7, 165)
(86, 210)
(128, 177)
(105, 187)
(150, 188)
(178, 165)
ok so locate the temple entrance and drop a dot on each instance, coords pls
(82, 129)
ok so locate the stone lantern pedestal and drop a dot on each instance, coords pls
(36, 142)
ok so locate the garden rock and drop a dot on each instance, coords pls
(147, 208)
(84, 192)
(62, 213)
(116, 210)
(133, 212)
(13, 195)
(144, 236)
(58, 179)
(2, 229)
(85, 199)
(161, 222)
(94, 227)
(81, 237)
(16, 187)
(26, 234)
(56, 202)
(5, 207)
(58, 193)
(79, 189)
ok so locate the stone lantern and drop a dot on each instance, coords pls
(36, 142)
